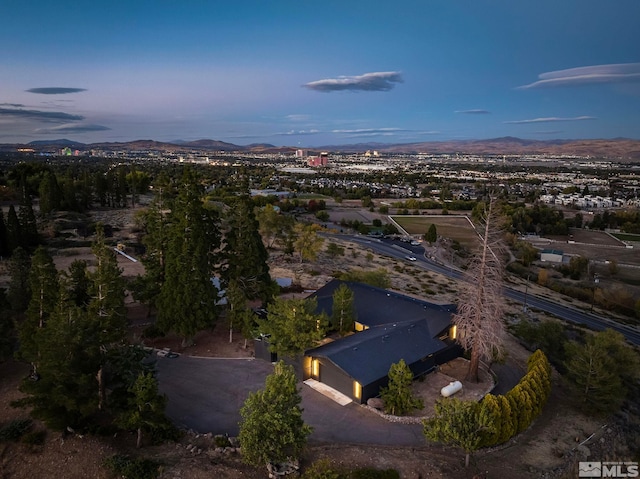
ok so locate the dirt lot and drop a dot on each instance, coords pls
(547, 449)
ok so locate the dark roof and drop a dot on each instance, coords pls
(377, 306)
(367, 356)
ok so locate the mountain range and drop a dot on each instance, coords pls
(621, 149)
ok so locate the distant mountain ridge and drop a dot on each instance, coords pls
(617, 148)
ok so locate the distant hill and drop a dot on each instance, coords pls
(621, 149)
(58, 143)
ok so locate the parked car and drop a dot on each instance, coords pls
(167, 353)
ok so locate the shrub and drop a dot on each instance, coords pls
(34, 438)
(132, 468)
(15, 429)
(371, 473)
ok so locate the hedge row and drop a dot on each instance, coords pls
(514, 412)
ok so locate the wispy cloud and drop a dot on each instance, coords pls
(548, 132)
(550, 119)
(298, 132)
(72, 128)
(613, 73)
(39, 115)
(298, 117)
(473, 112)
(369, 131)
(55, 90)
(13, 105)
(376, 81)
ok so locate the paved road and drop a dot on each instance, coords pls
(566, 313)
(206, 395)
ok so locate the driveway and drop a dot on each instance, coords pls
(206, 394)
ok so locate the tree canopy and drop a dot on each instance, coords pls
(272, 428)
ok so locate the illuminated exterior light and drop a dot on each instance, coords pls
(315, 371)
(357, 389)
(454, 331)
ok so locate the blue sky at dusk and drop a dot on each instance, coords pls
(303, 73)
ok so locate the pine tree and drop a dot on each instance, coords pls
(79, 283)
(14, 234)
(156, 221)
(481, 307)
(272, 428)
(293, 326)
(397, 396)
(65, 394)
(106, 307)
(343, 314)
(45, 288)
(431, 236)
(601, 369)
(4, 239)
(187, 301)
(457, 423)
(146, 408)
(49, 194)
(240, 316)
(246, 255)
(19, 292)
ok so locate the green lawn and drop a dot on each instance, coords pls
(454, 227)
(626, 237)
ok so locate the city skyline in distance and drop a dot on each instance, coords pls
(308, 75)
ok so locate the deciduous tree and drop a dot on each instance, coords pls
(272, 428)
(343, 313)
(308, 243)
(292, 325)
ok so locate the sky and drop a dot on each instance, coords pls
(308, 73)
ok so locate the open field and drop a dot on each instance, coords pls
(456, 228)
(598, 246)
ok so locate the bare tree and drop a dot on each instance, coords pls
(478, 320)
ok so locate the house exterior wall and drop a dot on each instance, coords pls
(333, 376)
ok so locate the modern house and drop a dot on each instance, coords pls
(389, 327)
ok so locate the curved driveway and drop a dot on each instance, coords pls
(206, 394)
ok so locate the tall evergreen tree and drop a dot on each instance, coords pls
(45, 287)
(28, 224)
(246, 254)
(79, 283)
(188, 298)
(49, 193)
(14, 234)
(156, 221)
(4, 239)
(65, 395)
(106, 307)
(19, 292)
